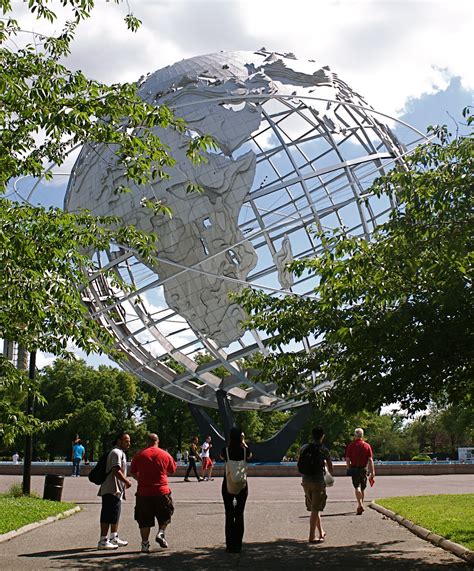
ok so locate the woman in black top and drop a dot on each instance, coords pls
(234, 503)
(193, 456)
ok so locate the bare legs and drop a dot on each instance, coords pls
(360, 500)
(145, 531)
(315, 522)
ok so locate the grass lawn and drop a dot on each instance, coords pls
(17, 512)
(451, 516)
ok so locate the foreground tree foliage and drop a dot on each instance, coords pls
(46, 112)
(394, 315)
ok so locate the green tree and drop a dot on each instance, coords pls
(443, 429)
(48, 110)
(394, 314)
(14, 421)
(168, 417)
(97, 403)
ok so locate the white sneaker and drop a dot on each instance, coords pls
(119, 542)
(161, 539)
(106, 544)
(145, 547)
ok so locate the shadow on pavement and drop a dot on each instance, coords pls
(326, 515)
(279, 554)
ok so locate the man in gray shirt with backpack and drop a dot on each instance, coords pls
(312, 463)
(112, 491)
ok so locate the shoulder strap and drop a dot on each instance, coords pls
(227, 453)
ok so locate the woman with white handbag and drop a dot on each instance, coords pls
(234, 488)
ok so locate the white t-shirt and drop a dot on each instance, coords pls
(205, 450)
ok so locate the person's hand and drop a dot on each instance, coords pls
(128, 484)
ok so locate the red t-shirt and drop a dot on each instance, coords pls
(151, 466)
(358, 453)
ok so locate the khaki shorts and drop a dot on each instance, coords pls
(315, 496)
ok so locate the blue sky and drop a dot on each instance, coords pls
(442, 107)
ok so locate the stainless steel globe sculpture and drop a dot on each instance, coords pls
(298, 151)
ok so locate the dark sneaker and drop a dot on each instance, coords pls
(145, 547)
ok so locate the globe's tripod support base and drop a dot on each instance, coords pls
(271, 450)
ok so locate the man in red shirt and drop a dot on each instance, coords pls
(150, 468)
(358, 455)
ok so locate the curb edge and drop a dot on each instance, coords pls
(455, 548)
(30, 526)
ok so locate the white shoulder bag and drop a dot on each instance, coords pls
(236, 473)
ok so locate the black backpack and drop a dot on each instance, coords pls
(311, 460)
(99, 473)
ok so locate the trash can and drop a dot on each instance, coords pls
(53, 487)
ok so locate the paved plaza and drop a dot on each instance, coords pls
(276, 529)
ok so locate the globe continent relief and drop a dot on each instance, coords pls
(297, 152)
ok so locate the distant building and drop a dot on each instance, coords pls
(466, 455)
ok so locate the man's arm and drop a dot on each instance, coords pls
(346, 457)
(117, 471)
(371, 466)
(171, 468)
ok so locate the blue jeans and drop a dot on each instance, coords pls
(75, 466)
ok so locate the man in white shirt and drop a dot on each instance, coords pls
(112, 492)
(206, 459)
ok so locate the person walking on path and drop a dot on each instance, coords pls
(358, 456)
(151, 467)
(193, 455)
(112, 492)
(236, 450)
(206, 459)
(78, 453)
(312, 463)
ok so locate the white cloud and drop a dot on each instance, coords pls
(388, 51)
(44, 359)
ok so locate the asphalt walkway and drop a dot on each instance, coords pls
(276, 529)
